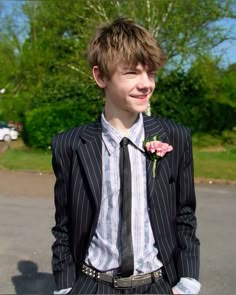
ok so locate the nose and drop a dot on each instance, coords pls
(146, 82)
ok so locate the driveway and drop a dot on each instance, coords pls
(27, 215)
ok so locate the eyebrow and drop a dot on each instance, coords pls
(132, 67)
(136, 67)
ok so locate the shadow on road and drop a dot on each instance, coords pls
(31, 281)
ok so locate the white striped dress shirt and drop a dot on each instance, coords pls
(104, 250)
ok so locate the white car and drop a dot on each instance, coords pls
(8, 134)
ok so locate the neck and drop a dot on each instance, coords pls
(121, 122)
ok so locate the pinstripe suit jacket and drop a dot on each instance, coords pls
(77, 164)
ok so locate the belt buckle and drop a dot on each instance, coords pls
(116, 284)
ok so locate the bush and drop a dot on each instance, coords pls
(229, 136)
(185, 100)
(43, 123)
(203, 140)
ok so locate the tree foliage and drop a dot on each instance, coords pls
(48, 66)
(199, 98)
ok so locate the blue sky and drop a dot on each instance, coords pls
(227, 49)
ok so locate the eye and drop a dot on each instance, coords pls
(151, 74)
(131, 73)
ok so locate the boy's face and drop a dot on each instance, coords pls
(128, 90)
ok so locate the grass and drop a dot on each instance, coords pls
(212, 160)
(215, 163)
(19, 157)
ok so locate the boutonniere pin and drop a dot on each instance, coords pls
(155, 150)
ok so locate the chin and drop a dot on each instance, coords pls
(138, 109)
(141, 109)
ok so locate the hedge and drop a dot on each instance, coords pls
(43, 123)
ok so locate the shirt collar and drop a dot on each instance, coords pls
(112, 138)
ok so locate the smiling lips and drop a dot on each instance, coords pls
(140, 96)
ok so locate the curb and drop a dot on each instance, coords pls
(199, 180)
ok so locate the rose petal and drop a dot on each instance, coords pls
(158, 147)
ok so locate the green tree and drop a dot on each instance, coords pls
(229, 85)
(13, 80)
(61, 30)
(51, 63)
(200, 98)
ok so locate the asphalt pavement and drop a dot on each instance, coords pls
(25, 241)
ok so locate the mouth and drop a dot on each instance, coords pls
(141, 96)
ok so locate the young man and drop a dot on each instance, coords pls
(124, 192)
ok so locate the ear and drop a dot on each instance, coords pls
(100, 80)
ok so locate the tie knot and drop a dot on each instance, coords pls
(124, 142)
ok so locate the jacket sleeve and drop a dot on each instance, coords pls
(188, 255)
(62, 261)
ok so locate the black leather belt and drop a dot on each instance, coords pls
(121, 283)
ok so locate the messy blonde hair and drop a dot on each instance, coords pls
(124, 41)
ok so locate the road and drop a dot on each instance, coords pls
(27, 215)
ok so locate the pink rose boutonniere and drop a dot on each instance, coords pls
(155, 150)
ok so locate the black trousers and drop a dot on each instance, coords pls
(87, 285)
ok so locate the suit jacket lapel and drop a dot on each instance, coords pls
(90, 153)
(152, 127)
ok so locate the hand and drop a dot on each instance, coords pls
(174, 291)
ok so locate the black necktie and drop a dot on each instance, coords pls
(127, 257)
